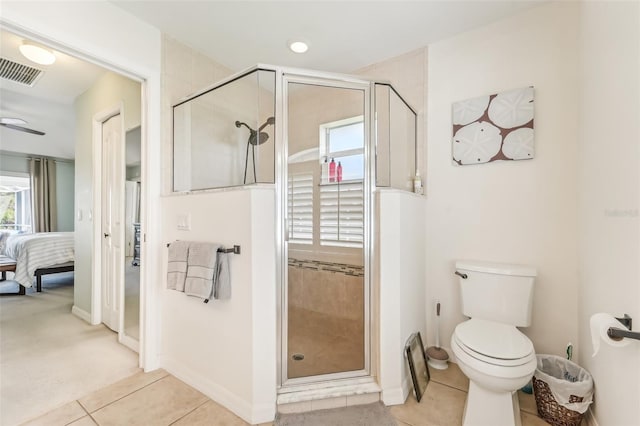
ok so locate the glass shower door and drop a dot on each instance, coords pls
(325, 324)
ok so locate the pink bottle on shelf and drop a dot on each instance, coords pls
(339, 173)
(332, 171)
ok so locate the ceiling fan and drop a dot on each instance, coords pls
(17, 124)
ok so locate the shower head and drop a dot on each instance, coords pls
(240, 123)
(257, 137)
(270, 120)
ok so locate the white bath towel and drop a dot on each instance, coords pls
(177, 265)
(222, 277)
(201, 265)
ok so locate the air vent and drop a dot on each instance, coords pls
(22, 74)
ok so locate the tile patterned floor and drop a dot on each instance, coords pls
(160, 399)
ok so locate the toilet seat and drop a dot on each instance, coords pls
(494, 343)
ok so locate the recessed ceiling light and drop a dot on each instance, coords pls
(37, 54)
(298, 46)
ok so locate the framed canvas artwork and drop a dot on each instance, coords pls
(414, 350)
(494, 127)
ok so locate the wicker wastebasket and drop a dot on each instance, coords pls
(563, 390)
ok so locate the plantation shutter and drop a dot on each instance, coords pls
(300, 208)
(342, 214)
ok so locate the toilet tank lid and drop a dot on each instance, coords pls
(496, 268)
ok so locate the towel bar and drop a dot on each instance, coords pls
(234, 250)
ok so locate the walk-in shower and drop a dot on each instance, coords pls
(326, 142)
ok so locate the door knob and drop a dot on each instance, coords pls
(106, 235)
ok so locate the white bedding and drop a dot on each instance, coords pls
(39, 250)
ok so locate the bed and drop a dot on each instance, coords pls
(39, 254)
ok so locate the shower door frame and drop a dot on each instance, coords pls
(285, 76)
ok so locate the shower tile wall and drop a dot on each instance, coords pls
(326, 317)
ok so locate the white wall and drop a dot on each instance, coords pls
(107, 92)
(514, 212)
(104, 33)
(609, 188)
(400, 245)
(227, 348)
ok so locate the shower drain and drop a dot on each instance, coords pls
(297, 357)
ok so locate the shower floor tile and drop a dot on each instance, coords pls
(324, 354)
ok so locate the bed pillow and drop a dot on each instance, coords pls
(3, 240)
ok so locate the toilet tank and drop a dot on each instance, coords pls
(497, 291)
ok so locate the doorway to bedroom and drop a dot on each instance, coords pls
(52, 334)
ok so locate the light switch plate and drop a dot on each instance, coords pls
(184, 222)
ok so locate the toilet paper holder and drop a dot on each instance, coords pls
(618, 333)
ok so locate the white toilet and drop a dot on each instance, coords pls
(496, 357)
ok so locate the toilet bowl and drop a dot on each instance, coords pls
(498, 360)
(496, 357)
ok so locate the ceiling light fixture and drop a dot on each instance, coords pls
(298, 46)
(37, 54)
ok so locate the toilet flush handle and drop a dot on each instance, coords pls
(461, 275)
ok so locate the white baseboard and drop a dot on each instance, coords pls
(263, 413)
(395, 396)
(251, 413)
(398, 396)
(82, 314)
(392, 396)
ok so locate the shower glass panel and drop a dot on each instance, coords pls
(325, 325)
(224, 136)
(395, 139)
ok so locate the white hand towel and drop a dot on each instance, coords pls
(177, 265)
(201, 265)
(222, 278)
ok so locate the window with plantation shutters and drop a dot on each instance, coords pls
(300, 208)
(342, 214)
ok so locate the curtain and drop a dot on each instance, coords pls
(43, 194)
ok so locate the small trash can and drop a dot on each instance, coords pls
(563, 390)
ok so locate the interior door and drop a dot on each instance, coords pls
(112, 242)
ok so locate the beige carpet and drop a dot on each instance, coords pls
(375, 414)
(48, 356)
